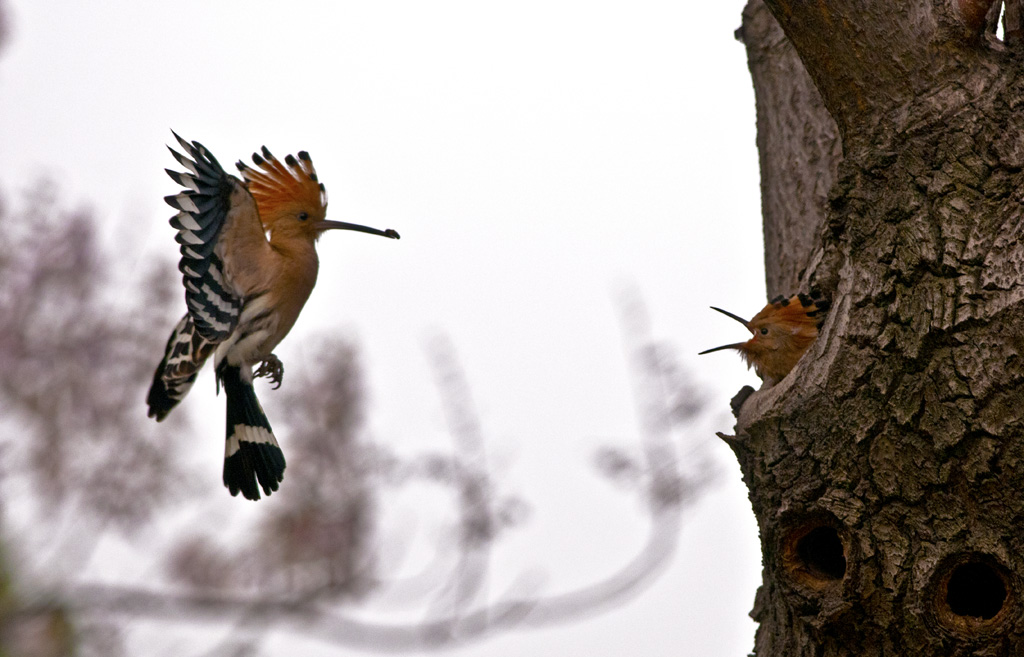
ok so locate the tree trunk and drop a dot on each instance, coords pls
(799, 150)
(886, 471)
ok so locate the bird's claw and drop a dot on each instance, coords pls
(273, 369)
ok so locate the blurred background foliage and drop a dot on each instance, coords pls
(79, 339)
(80, 334)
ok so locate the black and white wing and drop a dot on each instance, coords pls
(184, 356)
(213, 301)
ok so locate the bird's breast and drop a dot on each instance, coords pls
(269, 313)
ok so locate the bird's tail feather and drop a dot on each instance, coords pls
(251, 454)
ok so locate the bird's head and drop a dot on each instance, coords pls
(291, 199)
(782, 331)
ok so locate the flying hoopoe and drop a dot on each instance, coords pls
(249, 263)
(783, 331)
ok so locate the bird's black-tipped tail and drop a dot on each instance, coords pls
(251, 454)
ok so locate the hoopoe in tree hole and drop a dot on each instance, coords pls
(783, 331)
(249, 263)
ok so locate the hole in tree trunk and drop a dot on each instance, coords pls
(813, 553)
(974, 594)
(975, 589)
(821, 553)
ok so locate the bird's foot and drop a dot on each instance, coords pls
(273, 369)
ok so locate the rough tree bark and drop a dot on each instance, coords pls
(799, 149)
(886, 471)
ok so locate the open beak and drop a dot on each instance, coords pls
(739, 319)
(735, 345)
(327, 224)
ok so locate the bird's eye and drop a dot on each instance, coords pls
(764, 331)
(303, 216)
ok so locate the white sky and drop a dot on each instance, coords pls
(535, 157)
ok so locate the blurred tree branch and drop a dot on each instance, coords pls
(459, 610)
(4, 26)
(73, 360)
(77, 346)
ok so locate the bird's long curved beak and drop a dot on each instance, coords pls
(736, 317)
(327, 224)
(735, 345)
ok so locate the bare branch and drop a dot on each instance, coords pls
(477, 522)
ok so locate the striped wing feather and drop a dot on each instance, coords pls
(213, 301)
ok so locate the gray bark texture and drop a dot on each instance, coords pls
(886, 471)
(799, 148)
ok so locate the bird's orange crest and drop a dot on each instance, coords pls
(782, 332)
(799, 313)
(280, 188)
